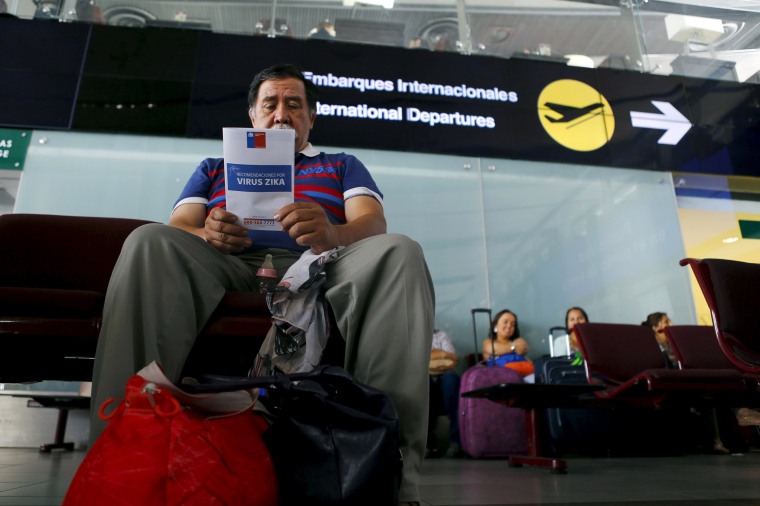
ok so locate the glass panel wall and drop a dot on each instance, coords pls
(8, 189)
(108, 175)
(534, 237)
(437, 200)
(606, 240)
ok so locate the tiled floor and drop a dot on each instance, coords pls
(30, 478)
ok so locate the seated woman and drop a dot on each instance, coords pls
(573, 316)
(504, 347)
(570, 349)
(658, 322)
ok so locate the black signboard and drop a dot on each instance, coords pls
(40, 67)
(164, 81)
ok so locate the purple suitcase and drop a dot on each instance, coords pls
(488, 429)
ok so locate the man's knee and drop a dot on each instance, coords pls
(391, 253)
(399, 250)
(398, 244)
(146, 234)
(157, 238)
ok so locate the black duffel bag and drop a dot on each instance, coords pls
(333, 440)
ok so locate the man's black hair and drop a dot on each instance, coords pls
(283, 71)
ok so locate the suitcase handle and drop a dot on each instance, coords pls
(475, 311)
(551, 339)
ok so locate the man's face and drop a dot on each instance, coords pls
(281, 103)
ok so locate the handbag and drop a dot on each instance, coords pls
(333, 440)
(164, 447)
(524, 367)
(511, 360)
(503, 360)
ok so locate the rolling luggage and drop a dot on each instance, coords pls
(488, 429)
(560, 356)
(573, 430)
(559, 346)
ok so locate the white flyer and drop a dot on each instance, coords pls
(258, 174)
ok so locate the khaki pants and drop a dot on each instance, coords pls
(167, 283)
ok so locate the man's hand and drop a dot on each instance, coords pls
(307, 223)
(442, 361)
(222, 231)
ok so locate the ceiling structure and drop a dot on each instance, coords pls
(630, 34)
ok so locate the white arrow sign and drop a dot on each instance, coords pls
(671, 120)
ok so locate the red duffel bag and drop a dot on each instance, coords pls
(156, 450)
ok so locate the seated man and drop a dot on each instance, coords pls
(169, 279)
(444, 392)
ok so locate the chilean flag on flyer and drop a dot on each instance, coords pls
(256, 139)
(258, 174)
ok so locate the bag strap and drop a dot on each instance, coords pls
(215, 402)
(216, 383)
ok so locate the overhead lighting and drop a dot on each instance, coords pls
(681, 28)
(387, 4)
(729, 240)
(579, 60)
